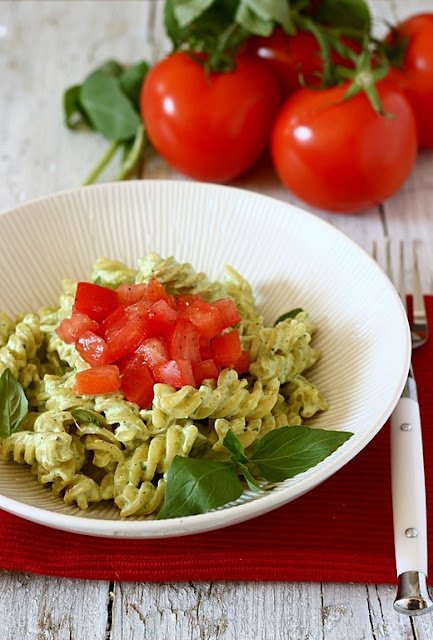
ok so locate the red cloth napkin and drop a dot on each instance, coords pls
(339, 532)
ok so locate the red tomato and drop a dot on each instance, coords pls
(153, 351)
(205, 317)
(113, 323)
(130, 293)
(93, 349)
(95, 301)
(228, 311)
(70, 329)
(212, 126)
(226, 349)
(342, 155)
(125, 340)
(97, 380)
(176, 373)
(294, 59)
(160, 318)
(155, 291)
(204, 370)
(137, 384)
(184, 342)
(417, 73)
(243, 364)
(183, 300)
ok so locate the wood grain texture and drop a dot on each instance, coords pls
(45, 46)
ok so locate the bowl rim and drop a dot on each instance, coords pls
(231, 515)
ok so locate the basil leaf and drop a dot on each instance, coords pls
(111, 68)
(13, 404)
(290, 314)
(250, 480)
(72, 110)
(82, 415)
(287, 451)
(108, 109)
(196, 486)
(344, 13)
(232, 444)
(131, 80)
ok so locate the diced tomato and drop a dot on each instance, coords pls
(130, 293)
(226, 349)
(95, 301)
(70, 329)
(204, 370)
(205, 317)
(160, 318)
(93, 349)
(113, 323)
(97, 380)
(155, 291)
(176, 373)
(137, 384)
(184, 300)
(153, 351)
(205, 350)
(229, 312)
(184, 342)
(243, 364)
(125, 340)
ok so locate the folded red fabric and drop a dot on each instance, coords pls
(339, 532)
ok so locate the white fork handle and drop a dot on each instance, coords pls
(408, 488)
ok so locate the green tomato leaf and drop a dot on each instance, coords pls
(196, 486)
(287, 451)
(108, 109)
(83, 415)
(290, 314)
(13, 404)
(344, 13)
(131, 80)
(259, 16)
(232, 444)
(186, 11)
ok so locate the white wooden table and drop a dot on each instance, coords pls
(45, 46)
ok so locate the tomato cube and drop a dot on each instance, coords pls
(243, 364)
(70, 329)
(184, 342)
(184, 300)
(97, 380)
(125, 340)
(92, 348)
(153, 351)
(155, 291)
(113, 323)
(160, 318)
(176, 373)
(137, 384)
(205, 350)
(95, 301)
(228, 311)
(128, 294)
(204, 370)
(226, 349)
(205, 317)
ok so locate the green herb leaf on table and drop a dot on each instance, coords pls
(260, 16)
(108, 109)
(73, 112)
(13, 404)
(131, 80)
(235, 447)
(196, 486)
(288, 451)
(344, 14)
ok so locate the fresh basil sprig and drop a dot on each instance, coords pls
(195, 486)
(289, 314)
(108, 102)
(84, 415)
(13, 404)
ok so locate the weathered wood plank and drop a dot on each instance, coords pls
(40, 608)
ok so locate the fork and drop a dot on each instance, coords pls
(407, 464)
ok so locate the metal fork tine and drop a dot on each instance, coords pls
(419, 311)
(401, 276)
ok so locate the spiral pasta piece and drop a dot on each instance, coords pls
(125, 417)
(112, 273)
(22, 346)
(7, 326)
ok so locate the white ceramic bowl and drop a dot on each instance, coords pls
(290, 257)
